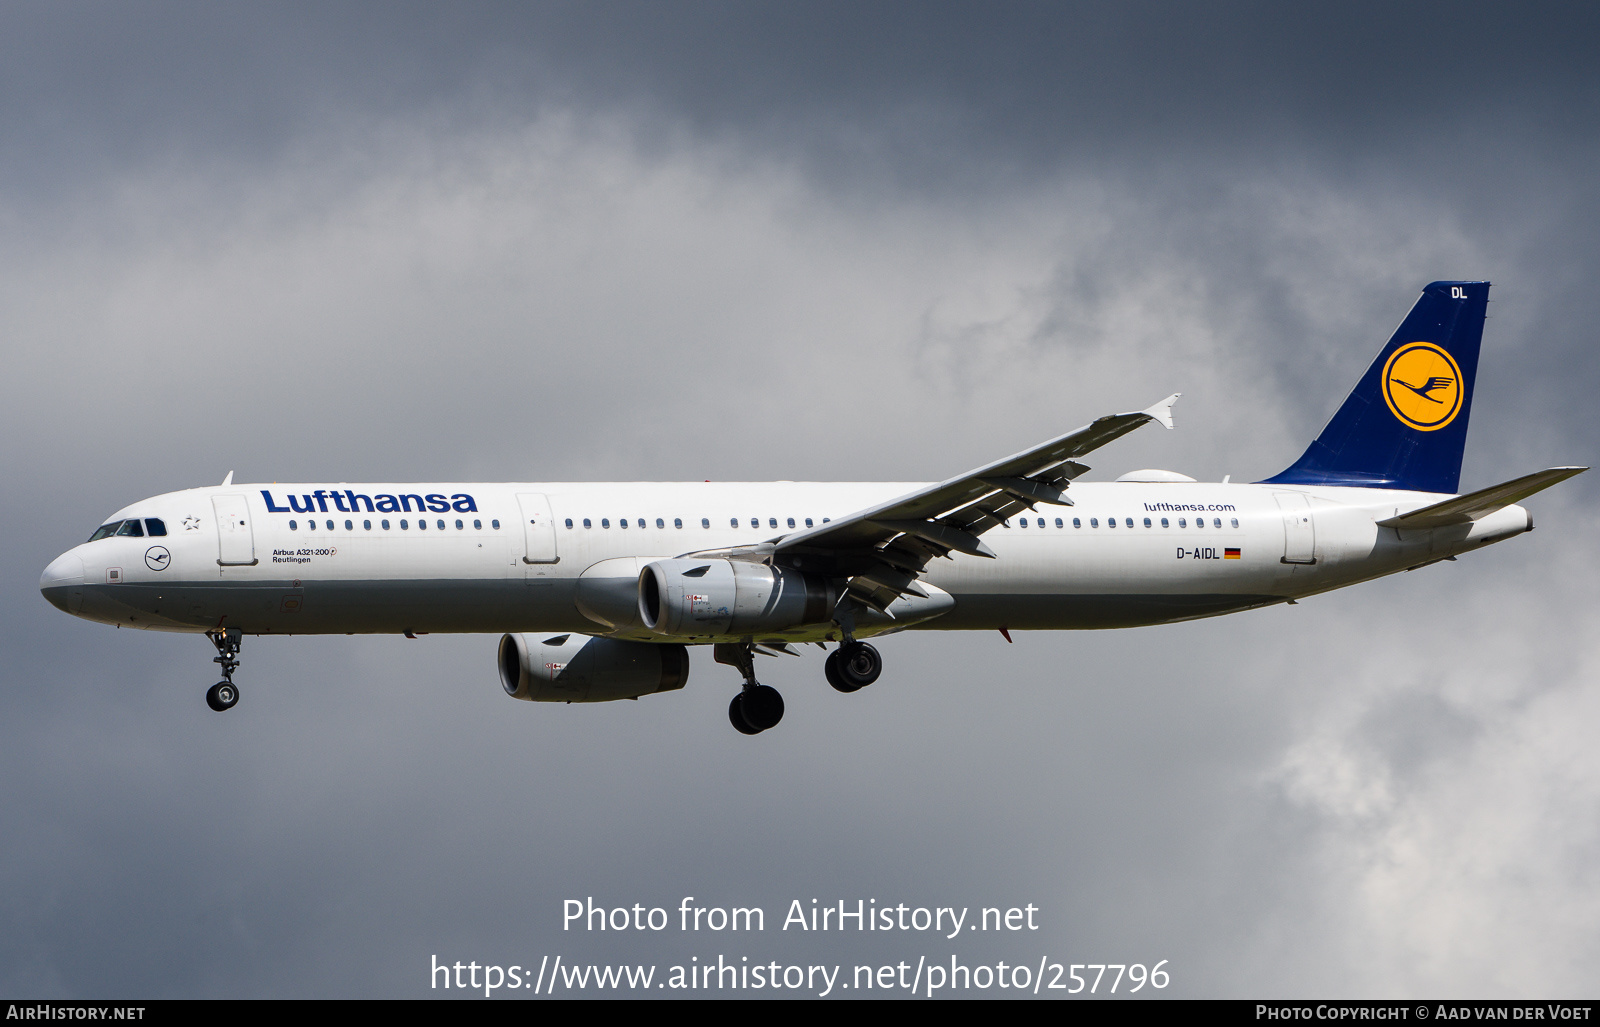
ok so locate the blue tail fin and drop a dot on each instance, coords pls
(1405, 425)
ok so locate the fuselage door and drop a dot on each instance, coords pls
(538, 528)
(1299, 530)
(236, 543)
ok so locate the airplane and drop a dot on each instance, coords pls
(598, 589)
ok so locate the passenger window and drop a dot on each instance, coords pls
(403, 524)
(569, 522)
(677, 522)
(809, 524)
(477, 525)
(349, 526)
(155, 526)
(1164, 523)
(1111, 522)
(1216, 522)
(1076, 523)
(1235, 521)
(791, 522)
(755, 522)
(496, 524)
(1022, 523)
(1129, 522)
(441, 525)
(660, 523)
(385, 523)
(733, 522)
(586, 523)
(641, 523)
(772, 522)
(131, 529)
(292, 527)
(1059, 524)
(1094, 522)
(622, 522)
(366, 525)
(1182, 523)
(605, 522)
(1147, 522)
(705, 522)
(459, 526)
(422, 524)
(1199, 522)
(330, 525)
(1041, 522)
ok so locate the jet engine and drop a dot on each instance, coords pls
(689, 598)
(580, 668)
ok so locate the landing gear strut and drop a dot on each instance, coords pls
(759, 706)
(853, 666)
(222, 695)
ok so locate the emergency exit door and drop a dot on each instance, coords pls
(538, 528)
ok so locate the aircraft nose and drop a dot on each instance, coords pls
(58, 581)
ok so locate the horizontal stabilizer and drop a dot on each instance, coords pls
(1473, 505)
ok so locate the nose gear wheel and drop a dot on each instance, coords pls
(222, 696)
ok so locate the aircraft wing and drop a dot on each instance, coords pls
(1477, 504)
(883, 548)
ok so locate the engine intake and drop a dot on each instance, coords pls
(580, 668)
(695, 598)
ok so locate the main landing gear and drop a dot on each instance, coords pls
(850, 668)
(853, 666)
(224, 694)
(759, 706)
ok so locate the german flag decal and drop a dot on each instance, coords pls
(1230, 554)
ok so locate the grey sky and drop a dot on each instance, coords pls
(661, 241)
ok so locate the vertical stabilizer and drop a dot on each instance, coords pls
(1405, 424)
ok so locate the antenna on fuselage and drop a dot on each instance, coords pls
(228, 480)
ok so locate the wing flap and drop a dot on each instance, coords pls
(945, 535)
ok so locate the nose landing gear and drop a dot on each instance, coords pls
(224, 694)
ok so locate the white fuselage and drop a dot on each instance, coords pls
(1128, 553)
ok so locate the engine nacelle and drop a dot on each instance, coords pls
(693, 598)
(580, 668)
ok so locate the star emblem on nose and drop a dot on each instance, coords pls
(191, 523)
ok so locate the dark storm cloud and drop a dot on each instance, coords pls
(930, 89)
(1485, 114)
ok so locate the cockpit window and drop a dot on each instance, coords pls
(155, 526)
(105, 531)
(131, 529)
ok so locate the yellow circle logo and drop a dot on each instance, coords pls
(1422, 385)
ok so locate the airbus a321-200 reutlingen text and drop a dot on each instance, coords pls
(600, 588)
